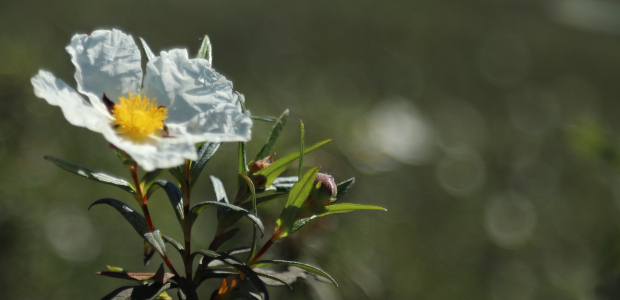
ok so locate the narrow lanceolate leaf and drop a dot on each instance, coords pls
(92, 174)
(205, 50)
(150, 177)
(147, 50)
(205, 152)
(280, 165)
(243, 159)
(344, 187)
(296, 198)
(154, 238)
(273, 136)
(133, 217)
(263, 118)
(174, 195)
(305, 267)
(160, 276)
(199, 207)
(220, 195)
(174, 244)
(299, 223)
(284, 184)
(243, 268)
(301, 147)
(248, 181)
(142, 292)
(347, 207)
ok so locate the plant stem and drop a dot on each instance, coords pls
(187, 230)
(142, 198)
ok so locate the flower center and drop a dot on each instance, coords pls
(137, 117)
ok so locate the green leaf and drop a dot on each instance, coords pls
(301, 147)
(147, 50)
(262, 118)
(174, 195)
(205, 51)
(150, 177)
(344, 187)
(271, 279)
(92, 174)
(199, 207)
(280, 165)
(154, 238)
(248, 181)
(133, 217)
(273, 136)
(174, 244)
(347, 207)
(142, 292)
(205, 152)
(285, 184)
(243, 160)
(237, 264)
(220, 195)
(296, 198)
(305, 267)
(186, 289)
(299, 223)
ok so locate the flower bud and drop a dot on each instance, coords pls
(259, 181)
(323, 193)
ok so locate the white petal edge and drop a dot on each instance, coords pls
(75, 108)
(106, 61)
(157, 153)
(224, 123)
(185, 86)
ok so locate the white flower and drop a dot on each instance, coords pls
(196, 103)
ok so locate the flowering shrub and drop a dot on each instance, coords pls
(174, 119)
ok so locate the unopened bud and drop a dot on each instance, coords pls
(323, 193)
(259, 181)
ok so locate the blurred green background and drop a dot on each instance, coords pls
(487, 128)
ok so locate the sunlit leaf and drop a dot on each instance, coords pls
(154, 238)
(205, 50)
(134, 218)
(296, 198)
(92, 174)
(280, 165)
(301, 147)
(305, 267)
(147, 50)
(344, 187)
(273, 136)
(347, 207)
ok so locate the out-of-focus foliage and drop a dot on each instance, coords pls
(460, 117)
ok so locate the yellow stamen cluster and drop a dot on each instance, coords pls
(137, 117)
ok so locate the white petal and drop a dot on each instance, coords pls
(185, 86)
(105, 62)
(224, 123)
(157, 153)
(75, 109)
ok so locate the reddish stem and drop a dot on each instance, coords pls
(143, 197)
